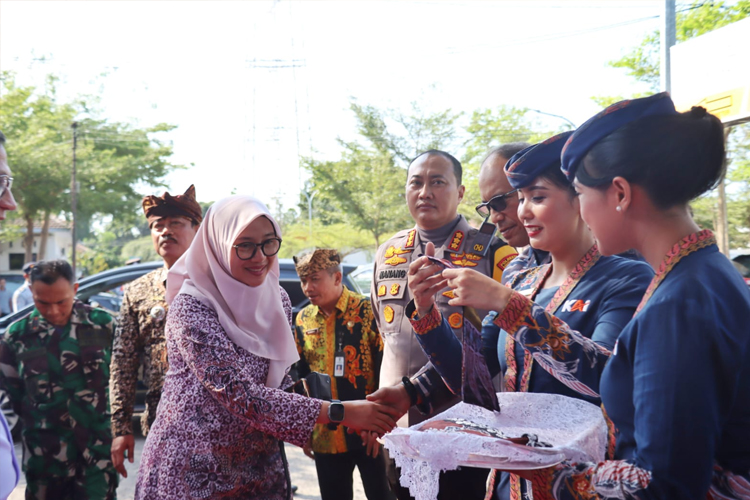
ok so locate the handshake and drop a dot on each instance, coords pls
(371, 418)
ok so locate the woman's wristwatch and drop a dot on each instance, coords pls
(335, 413)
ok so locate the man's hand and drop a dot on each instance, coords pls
(395, 396)
(121, 444)
(370, 440)
(425, 281)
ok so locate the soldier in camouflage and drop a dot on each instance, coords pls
(54, 364)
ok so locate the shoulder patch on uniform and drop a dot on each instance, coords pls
(504, 255)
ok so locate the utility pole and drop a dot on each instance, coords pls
(668, 39)
(73, 196)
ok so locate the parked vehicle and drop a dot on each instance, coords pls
(105, 290)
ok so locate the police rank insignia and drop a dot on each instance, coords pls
(158, 313)
(410, 239)
(381, 291)
(393, 256)
(456, 320)
(395, 288)
(456, 240)
(449, 294)
(388, 314)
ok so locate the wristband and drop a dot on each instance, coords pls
(410, 390)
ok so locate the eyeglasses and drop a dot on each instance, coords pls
(6, 182)
(247, 250)
(497, 203)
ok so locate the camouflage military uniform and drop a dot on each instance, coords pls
(57, 379)
(140, 331)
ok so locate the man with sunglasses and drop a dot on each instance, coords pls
(173, 221)
(433, 193)
(500, 206)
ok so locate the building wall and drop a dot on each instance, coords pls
(59, 244)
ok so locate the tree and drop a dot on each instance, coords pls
(113, 158)
(365, 187)
(642, 63)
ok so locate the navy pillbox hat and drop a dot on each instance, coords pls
(612, 118)
(527, 164)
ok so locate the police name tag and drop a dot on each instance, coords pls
(338, 364)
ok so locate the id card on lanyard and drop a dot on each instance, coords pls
(338, 356)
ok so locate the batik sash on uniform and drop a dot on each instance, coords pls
(529, 284)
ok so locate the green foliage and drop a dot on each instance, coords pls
(142, 248)
(365, 188)
(642, 63)
(99, 254)
(112, 160)
(298, 238)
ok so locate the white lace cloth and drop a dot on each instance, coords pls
(575, 429)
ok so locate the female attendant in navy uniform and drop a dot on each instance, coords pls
(596, 295)
(677, 384)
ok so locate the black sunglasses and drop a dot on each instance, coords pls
(497, 203)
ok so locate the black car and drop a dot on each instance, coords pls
(105, 290)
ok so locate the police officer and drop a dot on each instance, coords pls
(54, 363)
(433, 192)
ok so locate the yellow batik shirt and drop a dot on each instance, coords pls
(353, 331)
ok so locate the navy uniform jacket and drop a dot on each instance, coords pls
(601, 303)
(676, 385)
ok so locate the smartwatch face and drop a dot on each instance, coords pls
(336, 412)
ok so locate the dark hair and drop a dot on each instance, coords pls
(554, 174)
(675, 158)
(2, 138)
(49, 271)
(457, 170)
(506, 150)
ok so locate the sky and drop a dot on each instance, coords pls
(254, 85)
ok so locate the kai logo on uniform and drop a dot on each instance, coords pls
(576, 305)
(393, 255)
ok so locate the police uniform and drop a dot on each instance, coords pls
(57, 379)
(465, 247)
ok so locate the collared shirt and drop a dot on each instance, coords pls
(57, 377)
(22, 297)
(527, 258)
(143, 316)
(351, 329)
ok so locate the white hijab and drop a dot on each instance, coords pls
(253, 317)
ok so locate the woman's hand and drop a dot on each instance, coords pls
(425, 281)
(476, 290)
(363, 415)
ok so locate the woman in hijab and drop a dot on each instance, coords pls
(224, 414)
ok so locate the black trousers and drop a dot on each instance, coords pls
(464, 483)
(335, 475)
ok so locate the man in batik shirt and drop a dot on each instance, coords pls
(173, 221)
(54, 365)
(337, 335)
